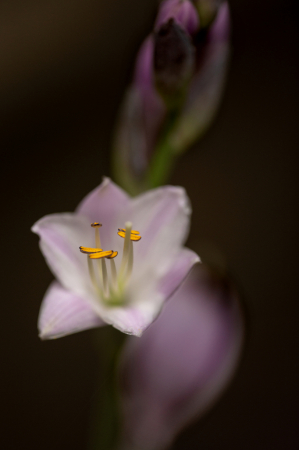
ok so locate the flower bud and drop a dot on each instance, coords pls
(174, 62)
(182, 11)
(178, 80)
(207, 84)
(179, 367)
(142, 113)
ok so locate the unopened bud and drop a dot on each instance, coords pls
(182, 11)
(207, 84)
(174, 59)
(180, 366)
(178, 81)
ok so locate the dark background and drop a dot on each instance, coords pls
(64, 67)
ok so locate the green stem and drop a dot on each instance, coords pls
(105, 425)
(164, 157)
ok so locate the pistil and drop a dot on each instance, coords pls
(97, 226)
(126, 249)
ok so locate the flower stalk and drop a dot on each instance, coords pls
(106, 420)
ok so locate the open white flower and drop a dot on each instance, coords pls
(117, 281)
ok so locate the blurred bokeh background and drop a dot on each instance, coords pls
(64, 67)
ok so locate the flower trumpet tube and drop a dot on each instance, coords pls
(182, 363)
(106, 274)
(177, 85)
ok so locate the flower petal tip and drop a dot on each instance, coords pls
(182, 196)
(129, 331)
(35, 226)
(105, 181)
(45, 337)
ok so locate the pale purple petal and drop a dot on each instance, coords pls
(132, 319)
(104, 204)
(143, 76)
(162, 216)
(136, 317)
(182, 363)
(179, 270)
(61, 235)
(139, 314)
(63, 313)
(183, 12)
(220, 29)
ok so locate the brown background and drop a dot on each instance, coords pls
(64, 66)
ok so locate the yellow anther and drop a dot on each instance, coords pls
(114, 254)
(89, 250)
(132, 231)
(133, 237)
(101, 254)
(95, 225)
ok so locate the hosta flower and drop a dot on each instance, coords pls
(182, 363)
(116, 259)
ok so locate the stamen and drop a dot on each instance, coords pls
(132, 231)
(130, 260)
(97, 227)
(92, 274)
(89, 250)
(114, 254)
(113, 273)
(127, 236)
(101, 255)
(105, 276)
(133, 237)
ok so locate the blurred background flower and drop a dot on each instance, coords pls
(179, 367)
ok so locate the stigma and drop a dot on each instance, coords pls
(108, 282)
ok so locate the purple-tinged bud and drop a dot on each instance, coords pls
(206, 87)
(174, 62)
(142, 113)
(180, 366)
(220, 29)
(178, 81)
(143, 76)
(182, 11)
